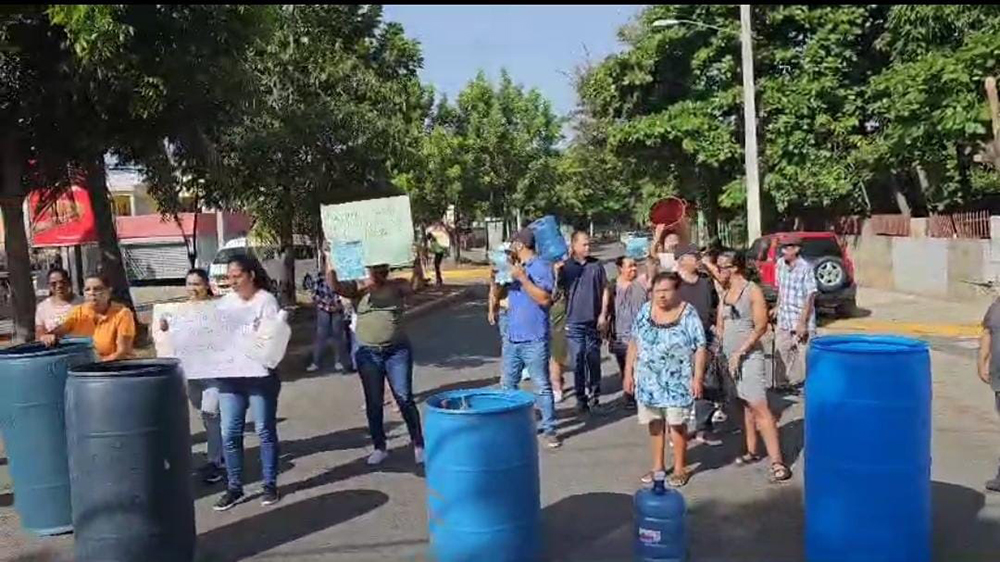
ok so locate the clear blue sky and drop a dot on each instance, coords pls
(539, 45)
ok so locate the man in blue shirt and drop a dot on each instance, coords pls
(585, 284)
(528, 300)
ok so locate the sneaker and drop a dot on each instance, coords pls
(377, 457)
(418, 455)
(312, 368)
(557, 395)
(212, 474)
(525, 376)
(270, 496)
(228, 500)
(552, 441)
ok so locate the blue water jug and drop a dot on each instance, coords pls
(660, 529)
(549, 242)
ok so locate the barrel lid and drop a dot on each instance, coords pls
(126, 368)
(479, 401)
(38, 349)
(869, 344)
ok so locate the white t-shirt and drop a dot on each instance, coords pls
(262, 303)
(667, 262)
(49, 313)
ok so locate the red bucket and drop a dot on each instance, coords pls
(671, 212)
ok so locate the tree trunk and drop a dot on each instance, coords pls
(22, 288)
(286, 289)
(112, 264)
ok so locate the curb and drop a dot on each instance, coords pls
(444, 302)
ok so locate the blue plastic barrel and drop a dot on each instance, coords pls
(660, 528)
(32, 381)
(482, 476)
(868, 450)
(128, 436)
(549, 242)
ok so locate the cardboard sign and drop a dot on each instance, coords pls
(384, 227)
(211, 342)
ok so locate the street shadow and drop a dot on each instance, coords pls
(273, 528)
(6, 500)
(767, 530)
(960, 533)
(400, 461)
(829, 318)
(589, 527)
(353, 438)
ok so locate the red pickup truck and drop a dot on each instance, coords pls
(831, 264)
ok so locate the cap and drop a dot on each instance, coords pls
(526, 237)
(684, 250)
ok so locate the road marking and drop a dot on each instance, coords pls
(905, 328)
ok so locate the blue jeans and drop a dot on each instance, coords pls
(395, 363)
(502, 322)
(585, 348)
(330, 328)
(535, 356)
(261, 395)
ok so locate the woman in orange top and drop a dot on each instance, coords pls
(110, 325)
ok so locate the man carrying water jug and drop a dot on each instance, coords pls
(989, 366)
(527, 339)
(588, 309)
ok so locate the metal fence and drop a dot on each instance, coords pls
(890, 225)
(975, 224)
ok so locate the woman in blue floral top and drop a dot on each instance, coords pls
(664, 368)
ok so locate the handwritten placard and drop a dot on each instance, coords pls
(637, 247)
(211, 342)
(383, 226)
(348, 260)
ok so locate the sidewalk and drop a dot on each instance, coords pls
(897, 313)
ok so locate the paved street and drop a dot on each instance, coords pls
(336, 508)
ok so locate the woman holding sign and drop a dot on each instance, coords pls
(384, 352)
(248, 280)
(202, 389)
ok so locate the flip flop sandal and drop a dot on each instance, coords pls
(679, 480)
(780, 472)
(647, 478)
(747, 459)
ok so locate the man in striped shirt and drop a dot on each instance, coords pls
(796, 311)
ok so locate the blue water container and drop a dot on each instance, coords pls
(32, 382)
(482, 476)
(868, 450)
(549, 242)
(660, 528)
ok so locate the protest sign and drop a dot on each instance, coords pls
(211, 342)
(384, 227)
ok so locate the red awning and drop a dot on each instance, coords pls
(67, 222)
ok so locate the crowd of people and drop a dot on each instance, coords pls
(685, 330)
(670, 323)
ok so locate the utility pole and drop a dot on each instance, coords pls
(750, 128)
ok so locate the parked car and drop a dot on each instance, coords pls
(833, 268)
(306, 262)
(632, 234)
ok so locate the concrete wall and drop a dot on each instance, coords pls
(934, 267)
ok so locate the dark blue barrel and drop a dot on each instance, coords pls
(129, 441)
(868, 450)
(482, 476)
(660, 527)
(32, 381)
(549, 242)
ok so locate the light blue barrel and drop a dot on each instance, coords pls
(32, 382)
(549, 241)
(868, 450)
(482, 476)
